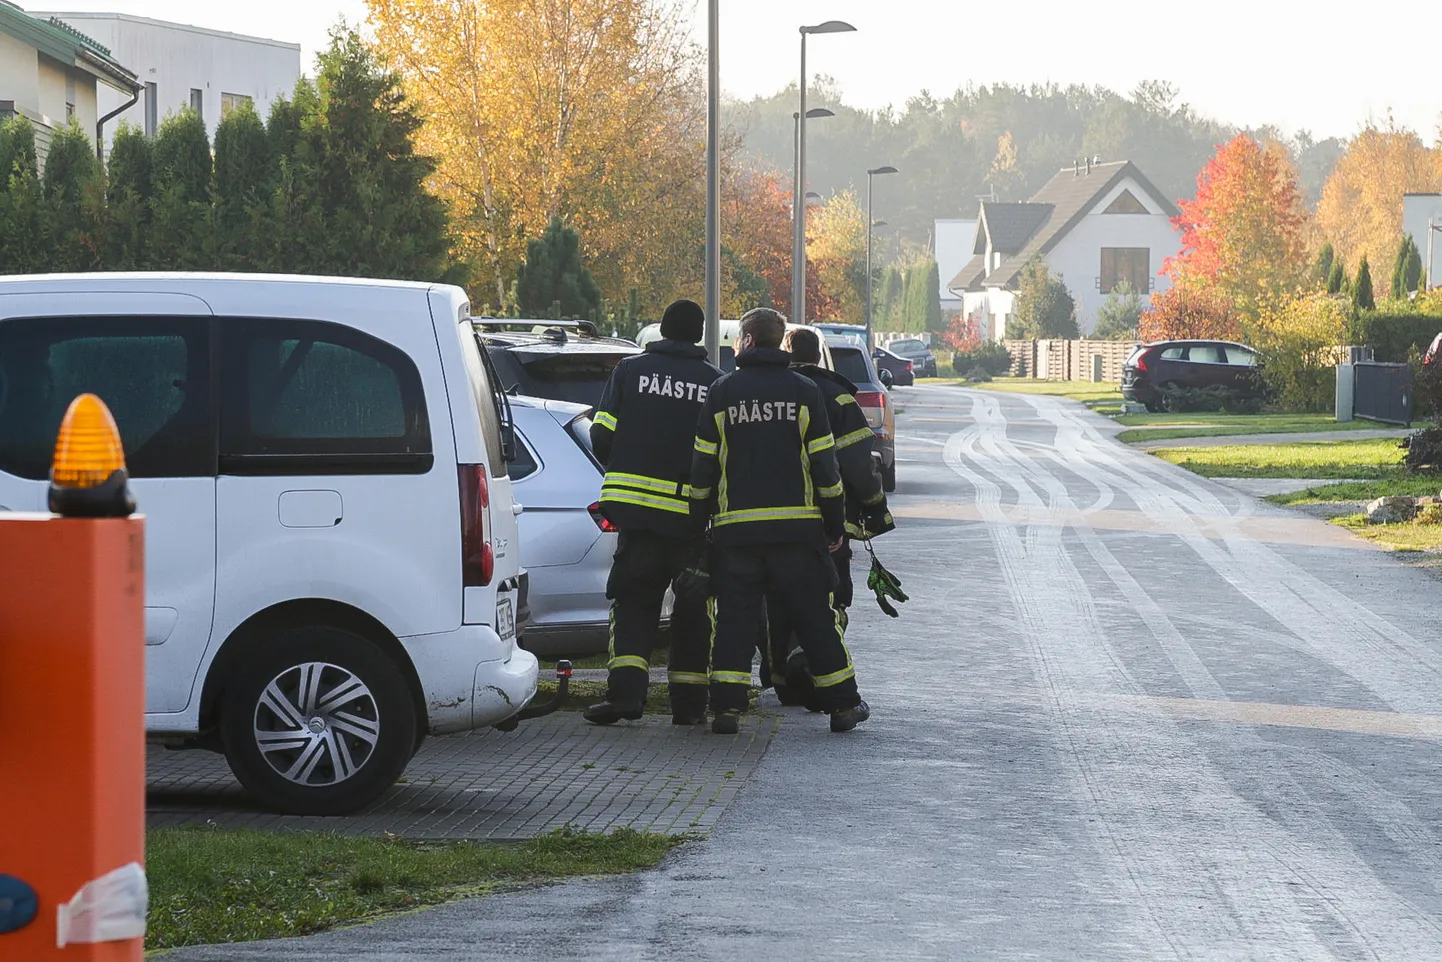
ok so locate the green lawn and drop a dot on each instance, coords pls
(1399, 537)
(1378, 458)
(1162, 427)
(1104, 397)
(224, 885)
(1410, 486)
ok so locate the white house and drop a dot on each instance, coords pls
(1421, 217)
(1094, 224)
(183, 66)
(53, 74)
(954, 241)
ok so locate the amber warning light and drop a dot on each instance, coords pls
(87, 475)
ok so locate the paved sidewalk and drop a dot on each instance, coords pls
(1230, 439)
(551, 772)
(1262, 487)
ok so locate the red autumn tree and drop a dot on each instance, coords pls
(963, 333)
(1242, 233)
(756, 215)
(1190, 311)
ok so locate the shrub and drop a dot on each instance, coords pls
(990, 355)
(1392, 331)
(1187, 311)
(1217, 397)
(1298, 338)
(1426, 387)
(1424, 450)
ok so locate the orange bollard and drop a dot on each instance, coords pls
(72, 718)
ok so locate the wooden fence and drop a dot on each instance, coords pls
(1056, 360)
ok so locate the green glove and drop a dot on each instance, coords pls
(884, 584)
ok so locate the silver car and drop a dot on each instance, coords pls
(566, 546)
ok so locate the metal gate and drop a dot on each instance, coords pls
(1383, 392)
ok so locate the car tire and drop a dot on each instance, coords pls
(296, 748)
(888, 477)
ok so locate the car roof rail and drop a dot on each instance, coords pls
(546, 327)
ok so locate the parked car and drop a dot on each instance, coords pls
(851, 362)
(729, 333)
(923, 361)
(560, 360)
(332, 567)
(1154, 369)
(566, 545)
(900, 368)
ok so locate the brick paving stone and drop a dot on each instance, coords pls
(648, 775)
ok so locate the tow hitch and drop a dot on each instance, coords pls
(533, 710)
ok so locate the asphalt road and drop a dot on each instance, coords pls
(1128, 714)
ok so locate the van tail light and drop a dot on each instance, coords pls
(873, 405)
(478, 558)
(601, 520)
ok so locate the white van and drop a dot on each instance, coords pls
(332, 567)
(730, 330)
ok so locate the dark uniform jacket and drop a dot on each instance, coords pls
(644, 431)
(866, 513)
(765, 464)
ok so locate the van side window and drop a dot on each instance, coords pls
(153, 374)
(311, 397)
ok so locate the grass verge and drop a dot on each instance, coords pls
(1399, 537)
(1370, 459)
(1413, 487)
(1103, 398)
(212, 885)
(1163, 427)
(581, 694)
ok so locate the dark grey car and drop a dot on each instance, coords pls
(923, 361)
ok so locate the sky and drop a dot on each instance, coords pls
(1244, 62)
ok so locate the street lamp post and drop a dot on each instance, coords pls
(713, 182)
(798, 203)
(811, 114)
(869, 225)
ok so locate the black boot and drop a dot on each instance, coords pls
(848, 718)
(726, 723)
(609, 712)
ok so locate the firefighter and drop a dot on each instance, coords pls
(644, 432)
(765, 478)
(866, 510)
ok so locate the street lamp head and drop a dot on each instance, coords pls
(883, 170)
(815, 112)
(830, 26)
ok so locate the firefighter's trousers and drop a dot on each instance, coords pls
(644, 566)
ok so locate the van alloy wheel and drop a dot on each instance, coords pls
(317, 720)
(316, 724)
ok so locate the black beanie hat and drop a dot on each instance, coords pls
(684, 321)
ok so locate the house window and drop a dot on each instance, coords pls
(1130, 264)
(1126, 203)
(229, 102)
(197, 101)
(152, 109)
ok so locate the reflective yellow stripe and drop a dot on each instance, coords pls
(723, 453)
(876, 498)
(705, 447)
(835, 678)
(629, 661)
(659, 485)
(699, 494)
(798, 513)
(845, 399)
(855, 437)
(817, 445)
(605, 419)
(688, 678)
(645, 500)
(805, 423)
(855, 530)
(732, 677)
(834, 491)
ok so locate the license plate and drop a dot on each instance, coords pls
(505, 619)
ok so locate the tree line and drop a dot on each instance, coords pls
(331, 184)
